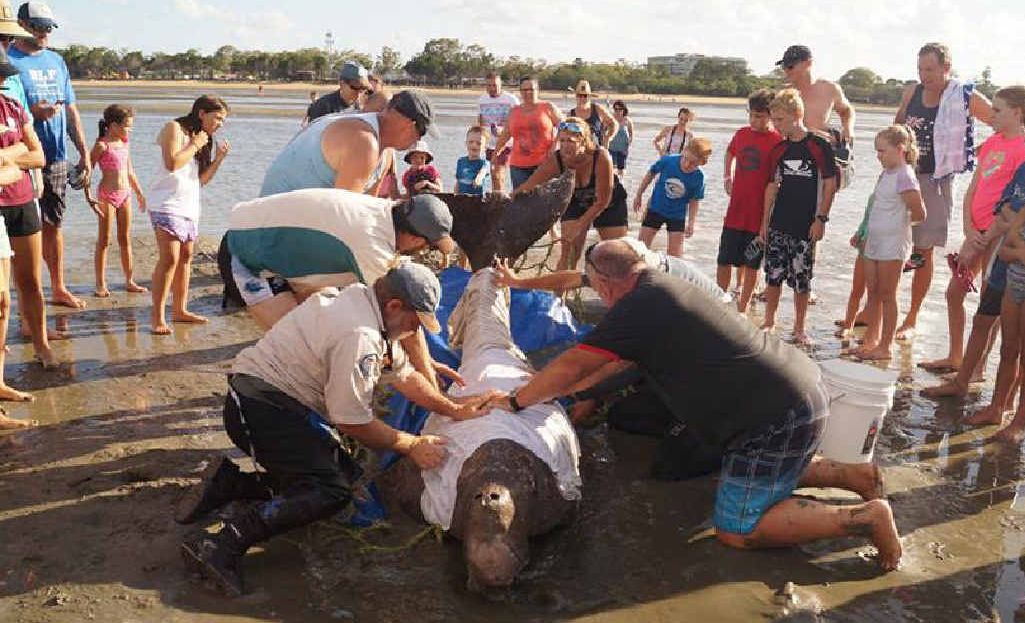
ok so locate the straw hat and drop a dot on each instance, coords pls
(9, 22)
(583, 88)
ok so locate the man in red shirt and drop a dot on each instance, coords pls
(745, 184)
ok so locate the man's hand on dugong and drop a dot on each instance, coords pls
(427, 451)
(474, 406)
(445, 372)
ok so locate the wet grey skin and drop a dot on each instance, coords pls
(504, 494)
(505, 227)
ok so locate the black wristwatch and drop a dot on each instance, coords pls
(514, 404)
(823, 218)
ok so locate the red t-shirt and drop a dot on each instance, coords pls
(12, 119)
(751, 175)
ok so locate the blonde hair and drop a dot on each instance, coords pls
(478, 129)
(900, 135)
(700, 148)
(585, 136)
(788, 100)
(1014, 97)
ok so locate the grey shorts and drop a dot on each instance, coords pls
(938, 198)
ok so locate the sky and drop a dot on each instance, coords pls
(883, 35)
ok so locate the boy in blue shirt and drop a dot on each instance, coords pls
(473, 171)
(676, 196)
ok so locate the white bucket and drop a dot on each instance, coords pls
(859, 397)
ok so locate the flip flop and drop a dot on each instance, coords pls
(916, 261)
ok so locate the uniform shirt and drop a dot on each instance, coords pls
(328, 354)
(753, 171)
(674, 189)
(466, 176)
(45, 77)
(800, 168)
(315, 237)
(329, 104)
(711, 367)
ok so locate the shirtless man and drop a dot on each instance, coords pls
(821, 97)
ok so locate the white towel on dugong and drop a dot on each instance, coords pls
(492, 361)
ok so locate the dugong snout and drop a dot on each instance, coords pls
(496, 550)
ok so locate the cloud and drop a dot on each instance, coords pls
(247, 28)
(198, 10)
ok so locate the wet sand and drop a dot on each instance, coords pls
(87, 534)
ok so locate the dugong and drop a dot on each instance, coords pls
(508, 476)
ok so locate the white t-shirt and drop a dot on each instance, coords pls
(328, 354)
(494, 112)
(889, 222)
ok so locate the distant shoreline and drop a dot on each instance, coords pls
(210, 86)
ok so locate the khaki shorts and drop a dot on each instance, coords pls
(938, 197)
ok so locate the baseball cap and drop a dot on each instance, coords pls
(38, 14)
(419, 289)
(794, 54)
(354, 72)
(415, 105)
(430, 217)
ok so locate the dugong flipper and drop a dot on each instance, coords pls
(500, 226)
(508, 476)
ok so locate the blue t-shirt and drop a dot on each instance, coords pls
(14, 90)
(674, 189)
(1013, 196)
(466, 173)
(45, 77)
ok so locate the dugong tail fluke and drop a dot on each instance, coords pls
(505, 227)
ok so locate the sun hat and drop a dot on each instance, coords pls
(583, 88)
(9, 22)
(419, 146)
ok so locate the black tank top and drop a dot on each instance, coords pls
(922, 120)
(583, 196)
(597, 127)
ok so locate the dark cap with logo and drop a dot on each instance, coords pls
(414, 105)
(794, 54)
(419, 289)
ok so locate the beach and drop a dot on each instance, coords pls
(130, 419)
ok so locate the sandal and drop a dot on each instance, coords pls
(916, 261)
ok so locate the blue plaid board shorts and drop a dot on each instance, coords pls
(764, 468)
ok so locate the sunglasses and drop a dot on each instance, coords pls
(571, 126)
(37, 27)
(590, 262)
(421, 128)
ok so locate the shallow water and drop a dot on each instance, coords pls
(959, 500)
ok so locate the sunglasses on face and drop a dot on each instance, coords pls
(359, 88)
(45, 28)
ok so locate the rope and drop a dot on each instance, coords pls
(359, 535)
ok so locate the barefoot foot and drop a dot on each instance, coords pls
(10, 394)
(1010, 434)
(48, 359)
(950, 389)
(67, 299)
(884, 534)
(905, 332)
(160, 329)
(985, 416)
(131, 286)
(7, 423)
(940, 365)
(101, 292)
(187, 316)
(877, 353)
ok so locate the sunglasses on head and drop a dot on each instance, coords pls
(571, 126)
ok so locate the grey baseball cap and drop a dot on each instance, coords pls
(414, 105)
(430, 217)
(37, 14)
(418, 288)
(354, 72)
(793, 55)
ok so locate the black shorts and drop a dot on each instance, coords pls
(655, 221)
(990, 301)
(618, 159)
(615, 215)
(732, 245)
(21, 220)
(55, 186)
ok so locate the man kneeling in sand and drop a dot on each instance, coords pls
(738, 388)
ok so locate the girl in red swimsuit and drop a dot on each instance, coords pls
(110, 154)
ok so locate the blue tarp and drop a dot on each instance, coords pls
(539, 320)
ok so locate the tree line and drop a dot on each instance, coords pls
(447, 62)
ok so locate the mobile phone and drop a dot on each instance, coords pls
(59, 103)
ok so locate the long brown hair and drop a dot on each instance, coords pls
(191, 124)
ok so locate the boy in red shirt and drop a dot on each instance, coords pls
(745, 184)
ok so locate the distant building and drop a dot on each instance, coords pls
(683, 63)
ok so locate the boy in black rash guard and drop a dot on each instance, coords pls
(797, 204)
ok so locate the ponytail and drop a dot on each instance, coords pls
(900, 135)
(115, 113)
(191, 124)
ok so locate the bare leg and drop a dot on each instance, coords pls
(610, 233)
(796, 520)
(100, 254)
(747, 289)
(873, 308)
(569, 253)
(498, 178)
(858, 289)
(675, 244)
(887, 279)
(28, 275)
(1015, 431)
(267, 313)
(955, 324)
(7, 392)
(800, 313)
(865, 479)
(982, 329)
(169, 248)
(723, 275)
(180, 286)
(124, 242)
(772, 294)
(920, 282)
(647, 235)
(1010, 346)
(53, 255)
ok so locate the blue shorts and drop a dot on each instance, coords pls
(765, 467)
(618, 159)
